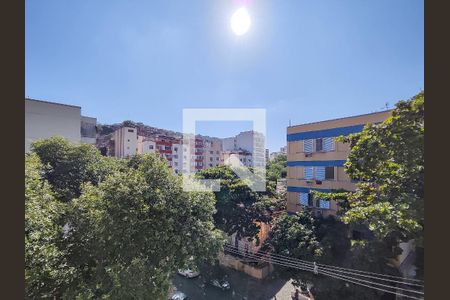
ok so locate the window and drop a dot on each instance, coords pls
(150, 147)
(130, 130)
(319, 145)
(217, 152)
(308, 146)
(211, 152)
(128, 139)
(175, 149)
(328, 144)
(217, 158)
(210, 165)
(176, 164)
(324, 204)
(320, 173)
(175, 156)
(210, 159)
(308, 173)
(329, 173)
(303, 197)
(167, 148)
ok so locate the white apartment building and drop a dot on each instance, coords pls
(45, 119)
(212, 153)
(250, 141)
(177, 158)
(229, 144)
(125, 142)
(237, 158)
(145, 145)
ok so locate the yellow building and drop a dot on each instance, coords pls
(316, 160)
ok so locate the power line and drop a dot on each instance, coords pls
(286, 260)
(310, 268)
(338, 276)
(289, 260)
(353, 270)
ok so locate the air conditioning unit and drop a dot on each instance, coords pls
(318, 181)
(308, 154)
(309, 182)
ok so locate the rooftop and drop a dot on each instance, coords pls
(54, 103)
(343, 118)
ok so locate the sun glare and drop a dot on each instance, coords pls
(240, 21)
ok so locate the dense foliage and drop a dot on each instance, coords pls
(276, 169)
(107, 228)
(388, 159)
(326, 241)
(387, 207)
(238, 208)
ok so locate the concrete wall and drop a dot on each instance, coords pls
(235, 263)
(228, 144)
(125, 142)
(46, 119)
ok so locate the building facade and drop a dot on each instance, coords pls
(125, 142)
(236, 158)
(45, 119)
(88, 130)
(315, 161)
(246, 142)
(212, 152)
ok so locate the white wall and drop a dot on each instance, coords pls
(125, 142)
(228, 144)
(45, 119)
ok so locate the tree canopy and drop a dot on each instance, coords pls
(388, 160)
(113, 229)
(238, 208)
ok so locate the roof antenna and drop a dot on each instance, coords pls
(289, 122)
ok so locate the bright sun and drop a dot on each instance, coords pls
(240, 21)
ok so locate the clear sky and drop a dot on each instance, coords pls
(302, 60)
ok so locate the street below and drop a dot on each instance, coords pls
(242, 287)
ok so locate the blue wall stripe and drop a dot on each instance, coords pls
(317, 163)
(300, 189)
(332, 132)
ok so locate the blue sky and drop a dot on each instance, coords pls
(301, 60)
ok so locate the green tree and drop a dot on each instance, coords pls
(237, 206)
(326, 241)
(276, 169)
(294, 236)
(67, 167)
(128, 231)
(46, 269)
(388, 160)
